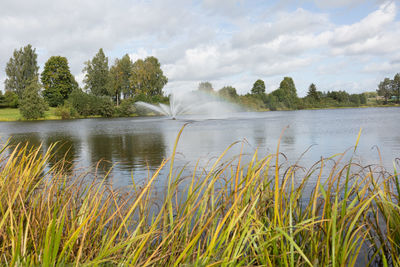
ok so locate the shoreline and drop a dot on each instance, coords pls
(15, 116)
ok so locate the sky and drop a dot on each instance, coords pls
(337, 44)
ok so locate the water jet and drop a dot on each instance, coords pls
(192, 103)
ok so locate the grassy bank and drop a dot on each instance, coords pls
(232, 214)
(13, 114)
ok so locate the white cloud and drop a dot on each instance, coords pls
(369, 27)
(227, 42)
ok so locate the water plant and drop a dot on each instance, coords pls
(232, 213)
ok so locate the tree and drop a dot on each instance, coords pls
(396, 86)
(355, 99)
(120, 74)
(32, 105)
(97, 74)
(286, 93)
(11, 99)
(147, 77)
(258, 88)
(2, 100)
(228, 92)
(205, 87)
(340, 96)
(57, 80)
(313, 93)
(385, 89)
(21, 70)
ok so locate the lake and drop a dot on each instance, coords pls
(138, 145)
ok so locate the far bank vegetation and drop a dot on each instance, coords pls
(111, 89)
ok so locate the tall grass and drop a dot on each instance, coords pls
(232, 214)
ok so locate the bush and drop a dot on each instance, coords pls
(104, 105)
(90, 105)
(78, 100)
(32, 105)
(66, 111)
(126, 108)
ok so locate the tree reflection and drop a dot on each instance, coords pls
(64, 152)
(128, 150)
(32, 141)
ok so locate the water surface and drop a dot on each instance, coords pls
(135, 146)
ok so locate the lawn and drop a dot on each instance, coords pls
(13, 114)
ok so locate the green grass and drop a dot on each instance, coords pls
(13, 114)
(231, 214)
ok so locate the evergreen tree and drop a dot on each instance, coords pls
(57, 80)
(120, 74)
(258, 88)
(313, 93)
(21, 70)
(32, 105)
(147, 77)
(97, 74)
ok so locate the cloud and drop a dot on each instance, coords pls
(369, 27)
(227, 42)
(295, 23)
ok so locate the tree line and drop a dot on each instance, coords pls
(285, 96)
(389, 89)
(108, 90)
(112, 90)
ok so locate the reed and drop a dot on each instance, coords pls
(258, 213)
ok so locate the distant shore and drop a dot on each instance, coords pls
(13, 114)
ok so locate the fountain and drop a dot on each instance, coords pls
(193, 103)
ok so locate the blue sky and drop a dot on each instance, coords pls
(338, 45)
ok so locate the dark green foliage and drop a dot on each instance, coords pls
(390, 89)
(80, 101)
(11, 99)
(287, 93)
(355, 99)
(147, 77)
(205, 87)
(339, 96)
(120, 74)
(91, 105)
(228, 92)
(104, 107)
(312, 93)
(2, 100)
(97, 74)
(126, 108)
(385, 89)
(21, 69)
(57, 80)
(258, 88)
(66, 111)
(32, 106)
(363, 99)
(396, 86)
(271, 102)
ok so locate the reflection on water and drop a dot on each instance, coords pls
(128, 150)
(135, 145)
(64, 150)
